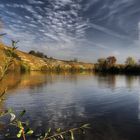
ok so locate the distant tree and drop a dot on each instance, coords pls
(102, 64)
(130, 61)
(111, 60)
(102, 61)
(38, 54)
(32, 52)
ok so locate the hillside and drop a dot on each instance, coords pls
(24, 61)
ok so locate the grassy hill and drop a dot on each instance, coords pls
(24, 62)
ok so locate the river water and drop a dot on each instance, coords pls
(109, 103)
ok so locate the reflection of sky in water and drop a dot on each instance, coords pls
(70, 100)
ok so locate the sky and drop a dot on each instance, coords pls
(68, 29)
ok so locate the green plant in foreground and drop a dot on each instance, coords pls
(62, 134)
(23, 127)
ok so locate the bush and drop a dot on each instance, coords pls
(11, 53)
(38, 54)
(24, 67)
(44, 68)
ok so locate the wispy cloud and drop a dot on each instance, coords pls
(109, 32)
(65, 28)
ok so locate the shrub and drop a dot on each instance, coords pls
(44, 68)
(38, 54)
(10, 53)
(24, 67)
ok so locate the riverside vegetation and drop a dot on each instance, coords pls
(22, 128)
(109, 65)
(37, 61)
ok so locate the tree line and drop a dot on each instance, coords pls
(110, 65)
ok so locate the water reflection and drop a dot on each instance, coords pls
(110, 103)
(107, 80)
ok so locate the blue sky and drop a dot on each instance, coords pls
(67, 29)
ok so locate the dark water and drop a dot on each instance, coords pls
(110, 103)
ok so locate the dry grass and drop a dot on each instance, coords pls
(37, 64)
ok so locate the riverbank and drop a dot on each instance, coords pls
(27, 62)
(119, 69)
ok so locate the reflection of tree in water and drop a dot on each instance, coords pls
(130, 80)
(107, 80)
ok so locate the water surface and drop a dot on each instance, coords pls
(110, 103)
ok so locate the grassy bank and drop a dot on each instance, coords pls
(26, 62)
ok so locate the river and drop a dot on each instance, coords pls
(109, 103)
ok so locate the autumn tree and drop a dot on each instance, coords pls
(111, 60)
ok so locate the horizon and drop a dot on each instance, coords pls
(67, 29)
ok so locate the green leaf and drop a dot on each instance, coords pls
(72, 135)
(20, 131)
(10, 110)
(22, 113)
(61, 136)
(19, 123)
(18, 135)
(86, 126)
(48, 132)
(30, 132)
(58, 130)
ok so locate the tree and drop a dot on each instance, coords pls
(102, 64)
(111, 60)
(38, 54)
(101, 61)
(32, 52)
(130, 61)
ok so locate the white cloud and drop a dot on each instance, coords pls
(35, 2)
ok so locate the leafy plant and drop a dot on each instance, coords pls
(23, 127)
(61, 135)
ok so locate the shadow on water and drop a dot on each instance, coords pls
(110, 103)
